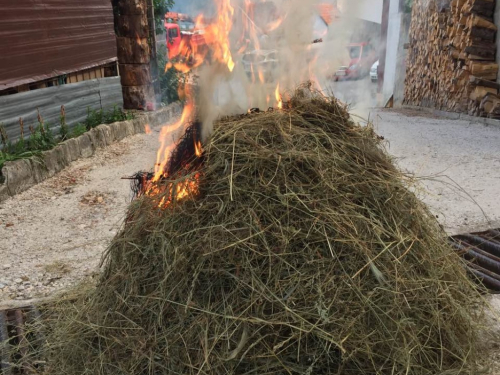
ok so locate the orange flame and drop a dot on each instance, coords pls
(166, 147)
(147, 129)
(198, 149)
(261, 76)
(278, 97)
(179, 191)
(217, 34)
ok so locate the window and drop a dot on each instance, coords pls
(173, 33)
(367, 50)
(355, 52)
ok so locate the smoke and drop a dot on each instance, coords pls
(296, 59)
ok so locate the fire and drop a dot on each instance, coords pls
(209, 41)
(261, 76)
(167, 147)
(198, 149)
(179, 191)
(278, 97)
(217, 34)
(147, 129)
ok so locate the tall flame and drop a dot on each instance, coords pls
(166, 144)
(278, 97)
(211, 40)
(198, 149)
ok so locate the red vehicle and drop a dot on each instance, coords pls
(182, 35)
(362, 57)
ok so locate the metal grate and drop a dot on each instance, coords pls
(482, 253)
(21, 341)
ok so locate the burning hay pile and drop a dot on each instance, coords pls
(301, 252)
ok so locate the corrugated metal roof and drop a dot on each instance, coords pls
(42, 39)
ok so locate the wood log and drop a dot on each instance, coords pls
(451, 60)
(483, 33)
(489, 102)
(480, 92)
(481, 69)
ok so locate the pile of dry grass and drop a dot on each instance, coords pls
(304, 253)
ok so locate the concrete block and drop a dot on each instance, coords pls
(96, 138)
(4, 193)
(129, 128)
(86, 146)
(105, 135)
(154, 118)
(63, 155)
(39, 170)
(445, 114)
(492, 122)
(18, 175)
(473, 119)
(140, 124)
(73, 148)
(50, 159)
(119, 131)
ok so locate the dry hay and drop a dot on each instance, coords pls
(303, 254)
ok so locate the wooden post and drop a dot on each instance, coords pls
(134, 52)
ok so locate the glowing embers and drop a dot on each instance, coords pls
(179, 177)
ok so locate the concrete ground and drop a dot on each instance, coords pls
(457, 164)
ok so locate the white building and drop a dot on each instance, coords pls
(367, 10)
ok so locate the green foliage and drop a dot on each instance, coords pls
(41, 137)
(169, 80)
(78, 130)
(160, 8)
(408, 6)
(64, 132)
(98, 117)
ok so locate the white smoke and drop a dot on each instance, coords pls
(224, 93)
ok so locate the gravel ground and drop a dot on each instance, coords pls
(53, 235)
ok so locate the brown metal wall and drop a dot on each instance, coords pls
(41, 39)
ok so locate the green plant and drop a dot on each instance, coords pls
(160, 8)
(78, 130)
(41, 138)
(4, 139)
(169, 80)
(98, 117)
(64, 132)
(408, 6)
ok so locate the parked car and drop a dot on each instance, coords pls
(374, 72)
(362, 56)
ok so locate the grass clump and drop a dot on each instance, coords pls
(42, 138)
(303, 253)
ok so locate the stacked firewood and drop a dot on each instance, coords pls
(452, 58)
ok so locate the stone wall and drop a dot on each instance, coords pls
(20, 175)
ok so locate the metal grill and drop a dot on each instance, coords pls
(21, 341)
(482, 253)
